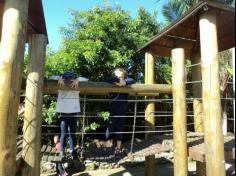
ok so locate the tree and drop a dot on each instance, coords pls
(98, 40)
(173, 9)
(94, 43)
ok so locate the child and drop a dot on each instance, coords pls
(68, 106)
(118, 107)
(59, 166)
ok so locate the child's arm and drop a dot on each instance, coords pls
(113, 80)
(75, 83)
(129, 81)
(61, 82)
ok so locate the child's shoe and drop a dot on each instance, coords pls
(118, 153)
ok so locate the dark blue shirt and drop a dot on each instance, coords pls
(119, 102)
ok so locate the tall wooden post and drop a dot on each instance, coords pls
(214, 143)
(14, 27)
(33, 106)
(197, 94)
(179, 111)
(150, 112)
(197, 105)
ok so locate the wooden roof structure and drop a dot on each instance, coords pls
(184, 32)
(36, 19)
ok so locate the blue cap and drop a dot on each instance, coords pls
(68, 75)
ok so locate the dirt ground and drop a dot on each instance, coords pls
(161, 170)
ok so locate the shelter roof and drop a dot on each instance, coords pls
(184, 32)
(36, 19)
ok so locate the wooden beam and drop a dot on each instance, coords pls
(214, 143)
(50, 87)
(162, 50)
(11, 58)
(33, 106)
(179, 113)
(150, 112)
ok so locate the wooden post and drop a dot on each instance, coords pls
(179, 112)
(150, 112)
(214, 143)
(33, 106)
(14, 27)
(197, 106)
(197, 94)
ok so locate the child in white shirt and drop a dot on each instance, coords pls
(68, 106)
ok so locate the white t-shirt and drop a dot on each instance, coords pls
(68, 101)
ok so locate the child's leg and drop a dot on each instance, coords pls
(120, 122)
(111, 122)
(72, 126)
(64, 126)
(60, 168)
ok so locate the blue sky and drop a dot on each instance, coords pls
(56, 12)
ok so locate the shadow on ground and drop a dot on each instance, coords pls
(138, 170)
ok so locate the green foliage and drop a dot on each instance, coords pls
(92, 127)
(104, 115)
(98, 40)
(174, 9)
(164, 70)
(49, 114)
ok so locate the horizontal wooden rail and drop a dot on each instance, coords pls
(103, 88)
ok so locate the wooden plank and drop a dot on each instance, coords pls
(46, 153)
(52, 154)
(197, 152)
(19, 144)
(43, 149)
(13, 36)
(57, 157)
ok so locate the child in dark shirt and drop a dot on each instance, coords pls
(118, 107)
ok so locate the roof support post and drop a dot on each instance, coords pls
(214, 143)
(150, 111)
(197, 105)
(179, 112)
(33, 106)
(197, 93)
(12, 47)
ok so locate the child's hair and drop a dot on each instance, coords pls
(121, 70)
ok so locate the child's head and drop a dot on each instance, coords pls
(56, 139)
(120, 73)
(68, 75)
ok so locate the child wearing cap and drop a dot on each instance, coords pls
(68, 107)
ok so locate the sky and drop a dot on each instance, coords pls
(56, 13)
